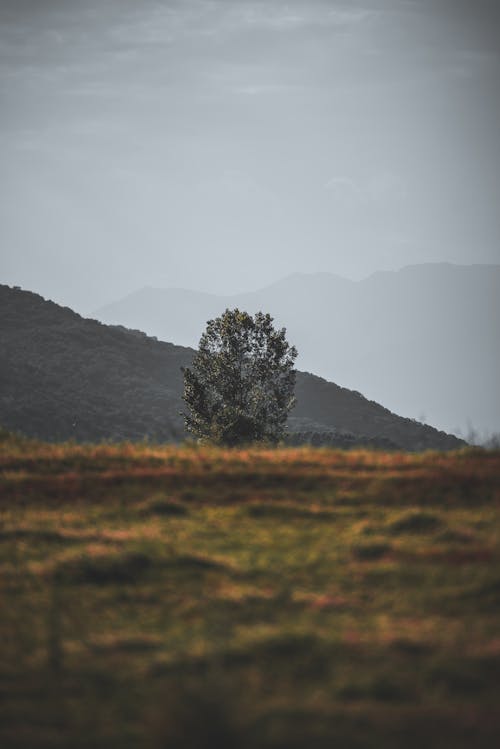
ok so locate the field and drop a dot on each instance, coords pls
(159, 597)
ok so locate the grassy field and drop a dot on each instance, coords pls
(161, 597)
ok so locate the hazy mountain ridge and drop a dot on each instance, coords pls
(423, 340)
(63, 376)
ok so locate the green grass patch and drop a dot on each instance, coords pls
(286, 512)
(104, 568)
(164, 507)
(370, 551)
(416, 521)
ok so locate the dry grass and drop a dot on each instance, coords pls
(169, 597)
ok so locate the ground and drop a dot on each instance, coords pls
(194, 597)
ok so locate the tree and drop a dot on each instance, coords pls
(240, 386)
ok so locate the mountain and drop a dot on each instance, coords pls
(423, 340)
(66, 377)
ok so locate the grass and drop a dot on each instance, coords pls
(416, 521)
(167, 597)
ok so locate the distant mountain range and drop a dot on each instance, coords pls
(423, 340)
(66, 377)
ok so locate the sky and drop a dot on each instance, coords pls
(220, 145)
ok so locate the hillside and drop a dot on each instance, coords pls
(423, 340)
(66, 377)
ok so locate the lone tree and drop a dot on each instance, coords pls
(240, 386)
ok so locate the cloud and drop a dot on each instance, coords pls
(382, 187)
(292, 124)
(343, 187)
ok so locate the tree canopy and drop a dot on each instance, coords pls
(240, 386)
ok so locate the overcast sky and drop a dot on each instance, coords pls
(223, 144)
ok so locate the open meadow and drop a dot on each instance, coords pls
(161, 597)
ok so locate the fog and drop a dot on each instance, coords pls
(220, 145)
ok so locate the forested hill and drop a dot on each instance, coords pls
(66, 377)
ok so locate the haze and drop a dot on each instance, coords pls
(221, 145)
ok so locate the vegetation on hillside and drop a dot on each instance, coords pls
(193, 597)
(240, 387)
(64, 377)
